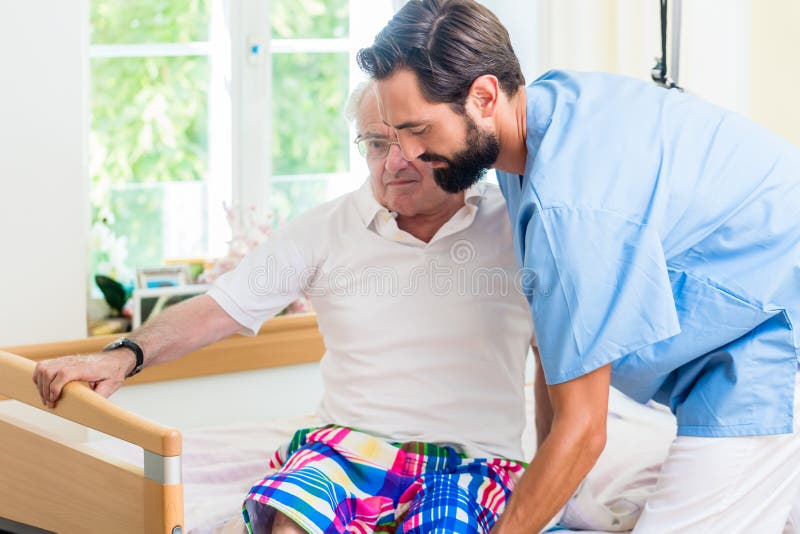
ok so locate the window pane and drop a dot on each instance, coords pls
(160, 221)
(149, 119)
(310, 133)
(319, 19)
(148, 128)
(290, 199)
(149, 21)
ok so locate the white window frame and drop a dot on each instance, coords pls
(217, 50)
(240, 51)
(252, 27)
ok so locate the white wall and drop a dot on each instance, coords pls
(740, 54)
(521, 20)
(233, 398)
(774, 67)
(43, 206)
(715, 52)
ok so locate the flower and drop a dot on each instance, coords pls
(110, 251)
(248, 230)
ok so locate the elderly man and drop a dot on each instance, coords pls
(663, 232)
(410, 285)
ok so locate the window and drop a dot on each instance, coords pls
(199, 103)
(310, 83)
(148, 140)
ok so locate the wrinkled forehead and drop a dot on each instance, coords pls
(369, 121)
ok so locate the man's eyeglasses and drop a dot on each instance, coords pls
(374, 147)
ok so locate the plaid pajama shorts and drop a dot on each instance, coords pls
(335, 480)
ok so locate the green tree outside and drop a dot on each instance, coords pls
(149, 115)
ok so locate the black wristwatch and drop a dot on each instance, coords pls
(137, 351)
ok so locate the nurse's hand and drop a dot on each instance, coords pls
(105, 373)
(571, 448)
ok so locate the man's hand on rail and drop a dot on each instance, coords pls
(180, 329)
(105, 373)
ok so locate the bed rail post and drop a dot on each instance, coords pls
(157, 496)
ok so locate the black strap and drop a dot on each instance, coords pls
(664, 16)
(659, 72)
(133, 347)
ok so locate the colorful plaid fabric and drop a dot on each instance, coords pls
(334, 480)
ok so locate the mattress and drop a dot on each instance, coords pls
(221, 464)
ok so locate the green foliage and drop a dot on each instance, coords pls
(115, 294)
(150, 21)
(149, 126)
(149, 120)
(309, 129)
(149, 115)
(309, 19)
(292, 198)
(139, 217)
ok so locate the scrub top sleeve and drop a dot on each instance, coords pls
(598, 288)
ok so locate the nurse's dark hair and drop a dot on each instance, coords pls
(447, 44)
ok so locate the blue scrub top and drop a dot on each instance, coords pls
(661, 234)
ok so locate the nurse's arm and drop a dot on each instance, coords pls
(576, 439)
(543, 408)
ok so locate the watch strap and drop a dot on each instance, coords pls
(134, 347)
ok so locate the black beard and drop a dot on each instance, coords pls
(468, 166)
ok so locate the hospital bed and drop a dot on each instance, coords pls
(58, 485)
(147, 477)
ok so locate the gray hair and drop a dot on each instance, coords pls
(355, 99)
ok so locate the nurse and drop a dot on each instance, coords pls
(659, 238)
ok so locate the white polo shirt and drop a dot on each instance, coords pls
(424, 341)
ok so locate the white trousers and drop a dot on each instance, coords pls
(728, 485)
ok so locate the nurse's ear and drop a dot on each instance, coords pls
(483, 95)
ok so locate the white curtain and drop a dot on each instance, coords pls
(740, 54)
(623, 36)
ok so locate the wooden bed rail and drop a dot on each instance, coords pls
(97, 494)
(288, 340)
(285, 340)
(80, 404)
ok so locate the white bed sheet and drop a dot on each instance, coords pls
(221, 464)
(613, 494)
